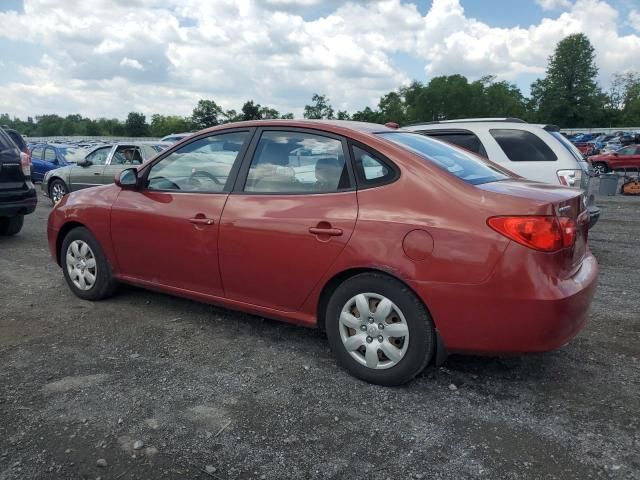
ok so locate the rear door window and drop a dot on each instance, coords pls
(523, 146)
(292, 162)
(50, 155)
(36, 153)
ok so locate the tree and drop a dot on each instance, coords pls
(206, 114)
(136, 125)
(343, 115)
(321, 108)
(269, 113)
(392, 108)
(568, 95)
(251, 111)
(164, 125)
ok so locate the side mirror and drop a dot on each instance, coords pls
(615, 154)
(127, 179)
(84, 163)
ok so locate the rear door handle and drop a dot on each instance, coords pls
(332, 232)
(202, 221)
(97, 173)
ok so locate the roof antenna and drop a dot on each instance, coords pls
(392, 125)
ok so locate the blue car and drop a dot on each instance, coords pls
(49, 156)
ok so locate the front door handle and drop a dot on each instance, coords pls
(97, 173)
(202, 221)
(332, 232)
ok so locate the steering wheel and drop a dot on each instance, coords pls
(192, 180)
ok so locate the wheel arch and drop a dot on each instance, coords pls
(330, 286)
(66, 228)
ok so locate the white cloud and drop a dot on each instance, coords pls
(554, 4)
(634, 19)
(108, 57)
(132, 63)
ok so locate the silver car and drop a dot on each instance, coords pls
(98, 167)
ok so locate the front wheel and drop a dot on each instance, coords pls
(600, 168)
(85, 267)
(379, 329)
(57, 190)
(11, 225)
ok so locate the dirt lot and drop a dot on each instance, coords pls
(216, 394)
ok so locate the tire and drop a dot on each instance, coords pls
(600, 168)
(57, 190)
(410, 354)
(77, 260)
(11, 225)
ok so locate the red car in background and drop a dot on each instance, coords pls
(626, 157)
(403, 248)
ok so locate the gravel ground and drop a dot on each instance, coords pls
(144, 385)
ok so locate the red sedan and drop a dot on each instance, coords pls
(401, 247)
(626, 157)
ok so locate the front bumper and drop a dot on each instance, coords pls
(507, 315)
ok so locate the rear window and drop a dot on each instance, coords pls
(569, 146)
(522, 146)
(5, 141)
(467, 140)
(456, 161)
(17, 139)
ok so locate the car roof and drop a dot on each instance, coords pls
(336, 126)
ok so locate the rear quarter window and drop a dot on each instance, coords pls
(522, 146)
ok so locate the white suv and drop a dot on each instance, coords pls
(536, 152)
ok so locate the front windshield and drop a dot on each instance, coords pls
(73, 155)
(456, 161)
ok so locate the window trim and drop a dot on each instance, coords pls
(363, 183)
(438, 132)
(524, 162)
(145, 168)
(241, 179)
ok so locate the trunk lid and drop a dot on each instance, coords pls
(11, 176)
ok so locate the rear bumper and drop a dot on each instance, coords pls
(18, 203)
(497, 318)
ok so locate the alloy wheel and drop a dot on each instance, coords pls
(57, 192)
(374, 331)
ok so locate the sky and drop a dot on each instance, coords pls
(105, 58)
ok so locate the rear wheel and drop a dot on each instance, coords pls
(600, 168)
(85, 267)
(379, 330)
(57, 190)
(11, 225)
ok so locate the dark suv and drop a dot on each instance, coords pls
(17, 194)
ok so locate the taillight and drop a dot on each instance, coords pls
(25, 163)
(570, 178)
(542, 233)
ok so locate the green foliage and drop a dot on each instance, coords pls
(319, 109)
(206, 114)
(136, 125)
(162, 126)
(569, 95)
